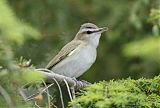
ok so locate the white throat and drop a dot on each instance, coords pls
(94, 40)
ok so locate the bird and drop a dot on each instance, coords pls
(76, 57)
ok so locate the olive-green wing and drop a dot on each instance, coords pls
(64, 52)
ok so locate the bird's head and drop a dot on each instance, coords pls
(90, 33)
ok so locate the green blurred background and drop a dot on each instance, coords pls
(38, 29)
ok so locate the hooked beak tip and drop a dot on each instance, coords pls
(103, 29)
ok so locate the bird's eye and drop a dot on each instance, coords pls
(89, 32)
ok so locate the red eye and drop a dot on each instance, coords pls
(89, 32)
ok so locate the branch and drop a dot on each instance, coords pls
(50, 75)
(48, 95)
(6, 96)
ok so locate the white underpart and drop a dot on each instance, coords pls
(79, 60)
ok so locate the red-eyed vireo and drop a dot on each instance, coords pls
(77, 56)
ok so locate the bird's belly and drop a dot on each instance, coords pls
(76, 64)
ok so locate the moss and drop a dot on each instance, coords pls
(129, 93)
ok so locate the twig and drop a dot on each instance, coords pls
(60, 91)
(73, 92)
(6, 96)
(36, 104)
(22, 94)
(69, 92)
(46, 88)
(47, 91)
(60, 78)
(31, 96)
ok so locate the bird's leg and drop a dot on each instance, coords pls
(85, 82)
(82, 83)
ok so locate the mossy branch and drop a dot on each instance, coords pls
(128, 93)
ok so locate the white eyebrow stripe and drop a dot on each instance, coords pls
(89, 29)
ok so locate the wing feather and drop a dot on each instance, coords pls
(64, 52)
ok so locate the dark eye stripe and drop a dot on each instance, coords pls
(89, 32)
(90, 27)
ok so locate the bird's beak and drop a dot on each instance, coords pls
(101, 30)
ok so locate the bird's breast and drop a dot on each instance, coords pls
(77, 62)
(88, 54)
